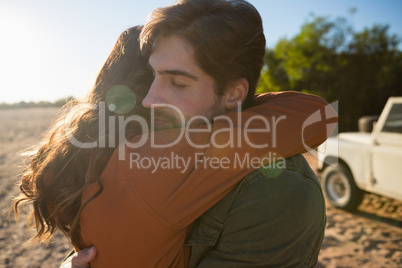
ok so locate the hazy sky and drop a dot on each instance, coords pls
(51, 49)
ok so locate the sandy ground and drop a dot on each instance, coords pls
(369, 237)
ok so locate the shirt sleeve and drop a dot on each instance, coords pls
(181, 181)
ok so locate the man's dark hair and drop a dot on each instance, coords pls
(226, 35)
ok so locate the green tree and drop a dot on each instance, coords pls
(330, 59)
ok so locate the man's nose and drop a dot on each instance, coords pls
(154, 96)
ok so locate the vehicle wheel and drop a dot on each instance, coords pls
(340, 188)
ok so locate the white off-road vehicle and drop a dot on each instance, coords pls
(357, 162)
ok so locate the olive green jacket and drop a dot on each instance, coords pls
(265, 221)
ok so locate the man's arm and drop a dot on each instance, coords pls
(80, 259)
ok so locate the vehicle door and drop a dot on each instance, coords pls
(387, 151)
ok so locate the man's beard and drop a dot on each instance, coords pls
(208, 114)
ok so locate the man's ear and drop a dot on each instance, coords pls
(236, 93)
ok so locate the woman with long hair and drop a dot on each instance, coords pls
(55, 179)
(139, 216)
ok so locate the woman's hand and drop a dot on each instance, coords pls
(80, 259)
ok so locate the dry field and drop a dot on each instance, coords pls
(20, 129)
(370, 237)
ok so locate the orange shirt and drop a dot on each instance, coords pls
(145, 210)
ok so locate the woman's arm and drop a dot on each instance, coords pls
(181, 191)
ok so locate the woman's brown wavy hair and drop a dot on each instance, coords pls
(59, 171)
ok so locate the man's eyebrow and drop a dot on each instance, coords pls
(174, 72)
(179, 72)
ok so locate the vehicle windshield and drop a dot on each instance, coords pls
(393, 123)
